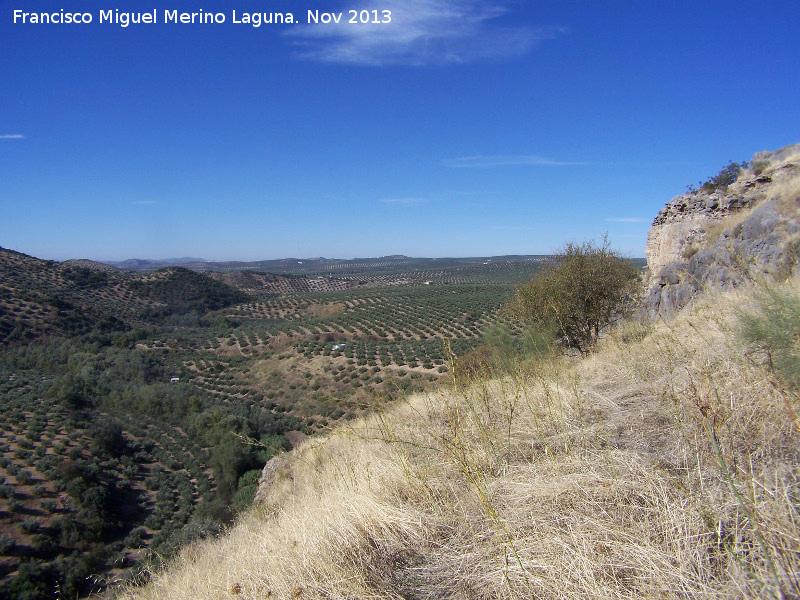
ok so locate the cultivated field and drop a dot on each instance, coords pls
(139, 408)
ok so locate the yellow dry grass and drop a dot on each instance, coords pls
(602, 477)
(784, 186)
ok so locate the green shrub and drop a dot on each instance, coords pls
(6, 544)
(721, 180)
(585, 289)
(247, 487)
(773, 331)
(24, 477)
(136, 538)
(29, 525)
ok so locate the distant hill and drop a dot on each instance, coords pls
(42, 298)
(324, 266)
(88, 264)
(270, 284)
(177, 290)
(45, 298)
(135, 264)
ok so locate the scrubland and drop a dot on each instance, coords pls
(662, 465)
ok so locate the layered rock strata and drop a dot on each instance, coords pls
(718, 239)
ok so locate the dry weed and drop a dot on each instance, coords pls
(663, 466)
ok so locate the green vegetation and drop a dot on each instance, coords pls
(587, 288)
(126, 446)
(772, 334)
(107, 463)
(662, 466)
(179, 291)
(727, 175)
(759, 166)
(85, 277)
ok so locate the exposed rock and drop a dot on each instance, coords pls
(276, 467)
(718, 239)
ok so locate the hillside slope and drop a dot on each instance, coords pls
(43, 298)
(577, 478)
(662, 466)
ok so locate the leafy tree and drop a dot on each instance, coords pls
(109, 440)
(586, 288)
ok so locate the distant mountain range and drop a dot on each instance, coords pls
(134, 264)
(321, 266)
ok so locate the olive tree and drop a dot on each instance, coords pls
(581, 292)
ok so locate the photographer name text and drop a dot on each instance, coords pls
(254, 19)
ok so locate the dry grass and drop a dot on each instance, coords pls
(786, 184)
(717, 227)
(784, 187)
(663, 466)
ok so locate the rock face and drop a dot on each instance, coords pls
(718, 239)
(277, 467)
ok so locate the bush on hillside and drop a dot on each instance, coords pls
(586, 288)
(727, 175)
(773, 332)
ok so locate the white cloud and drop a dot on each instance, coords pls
(12, 136)
(404, 201)
(421, 32)
(627, 220)
(506, 160)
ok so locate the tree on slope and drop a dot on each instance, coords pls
(585, 289)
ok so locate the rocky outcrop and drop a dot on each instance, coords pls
(720, 238)
(277, 467)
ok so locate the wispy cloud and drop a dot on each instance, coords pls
(404, 201)
(421, 32)
(507, 160)
(12, 136)
(627, 220)
(145, 202)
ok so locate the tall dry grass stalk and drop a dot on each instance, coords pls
(663, 466)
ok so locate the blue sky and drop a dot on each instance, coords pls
(460, 128)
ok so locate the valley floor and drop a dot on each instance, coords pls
(665, 465)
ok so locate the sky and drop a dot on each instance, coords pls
(447, 128)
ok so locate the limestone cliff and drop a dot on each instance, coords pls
(720, 238)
